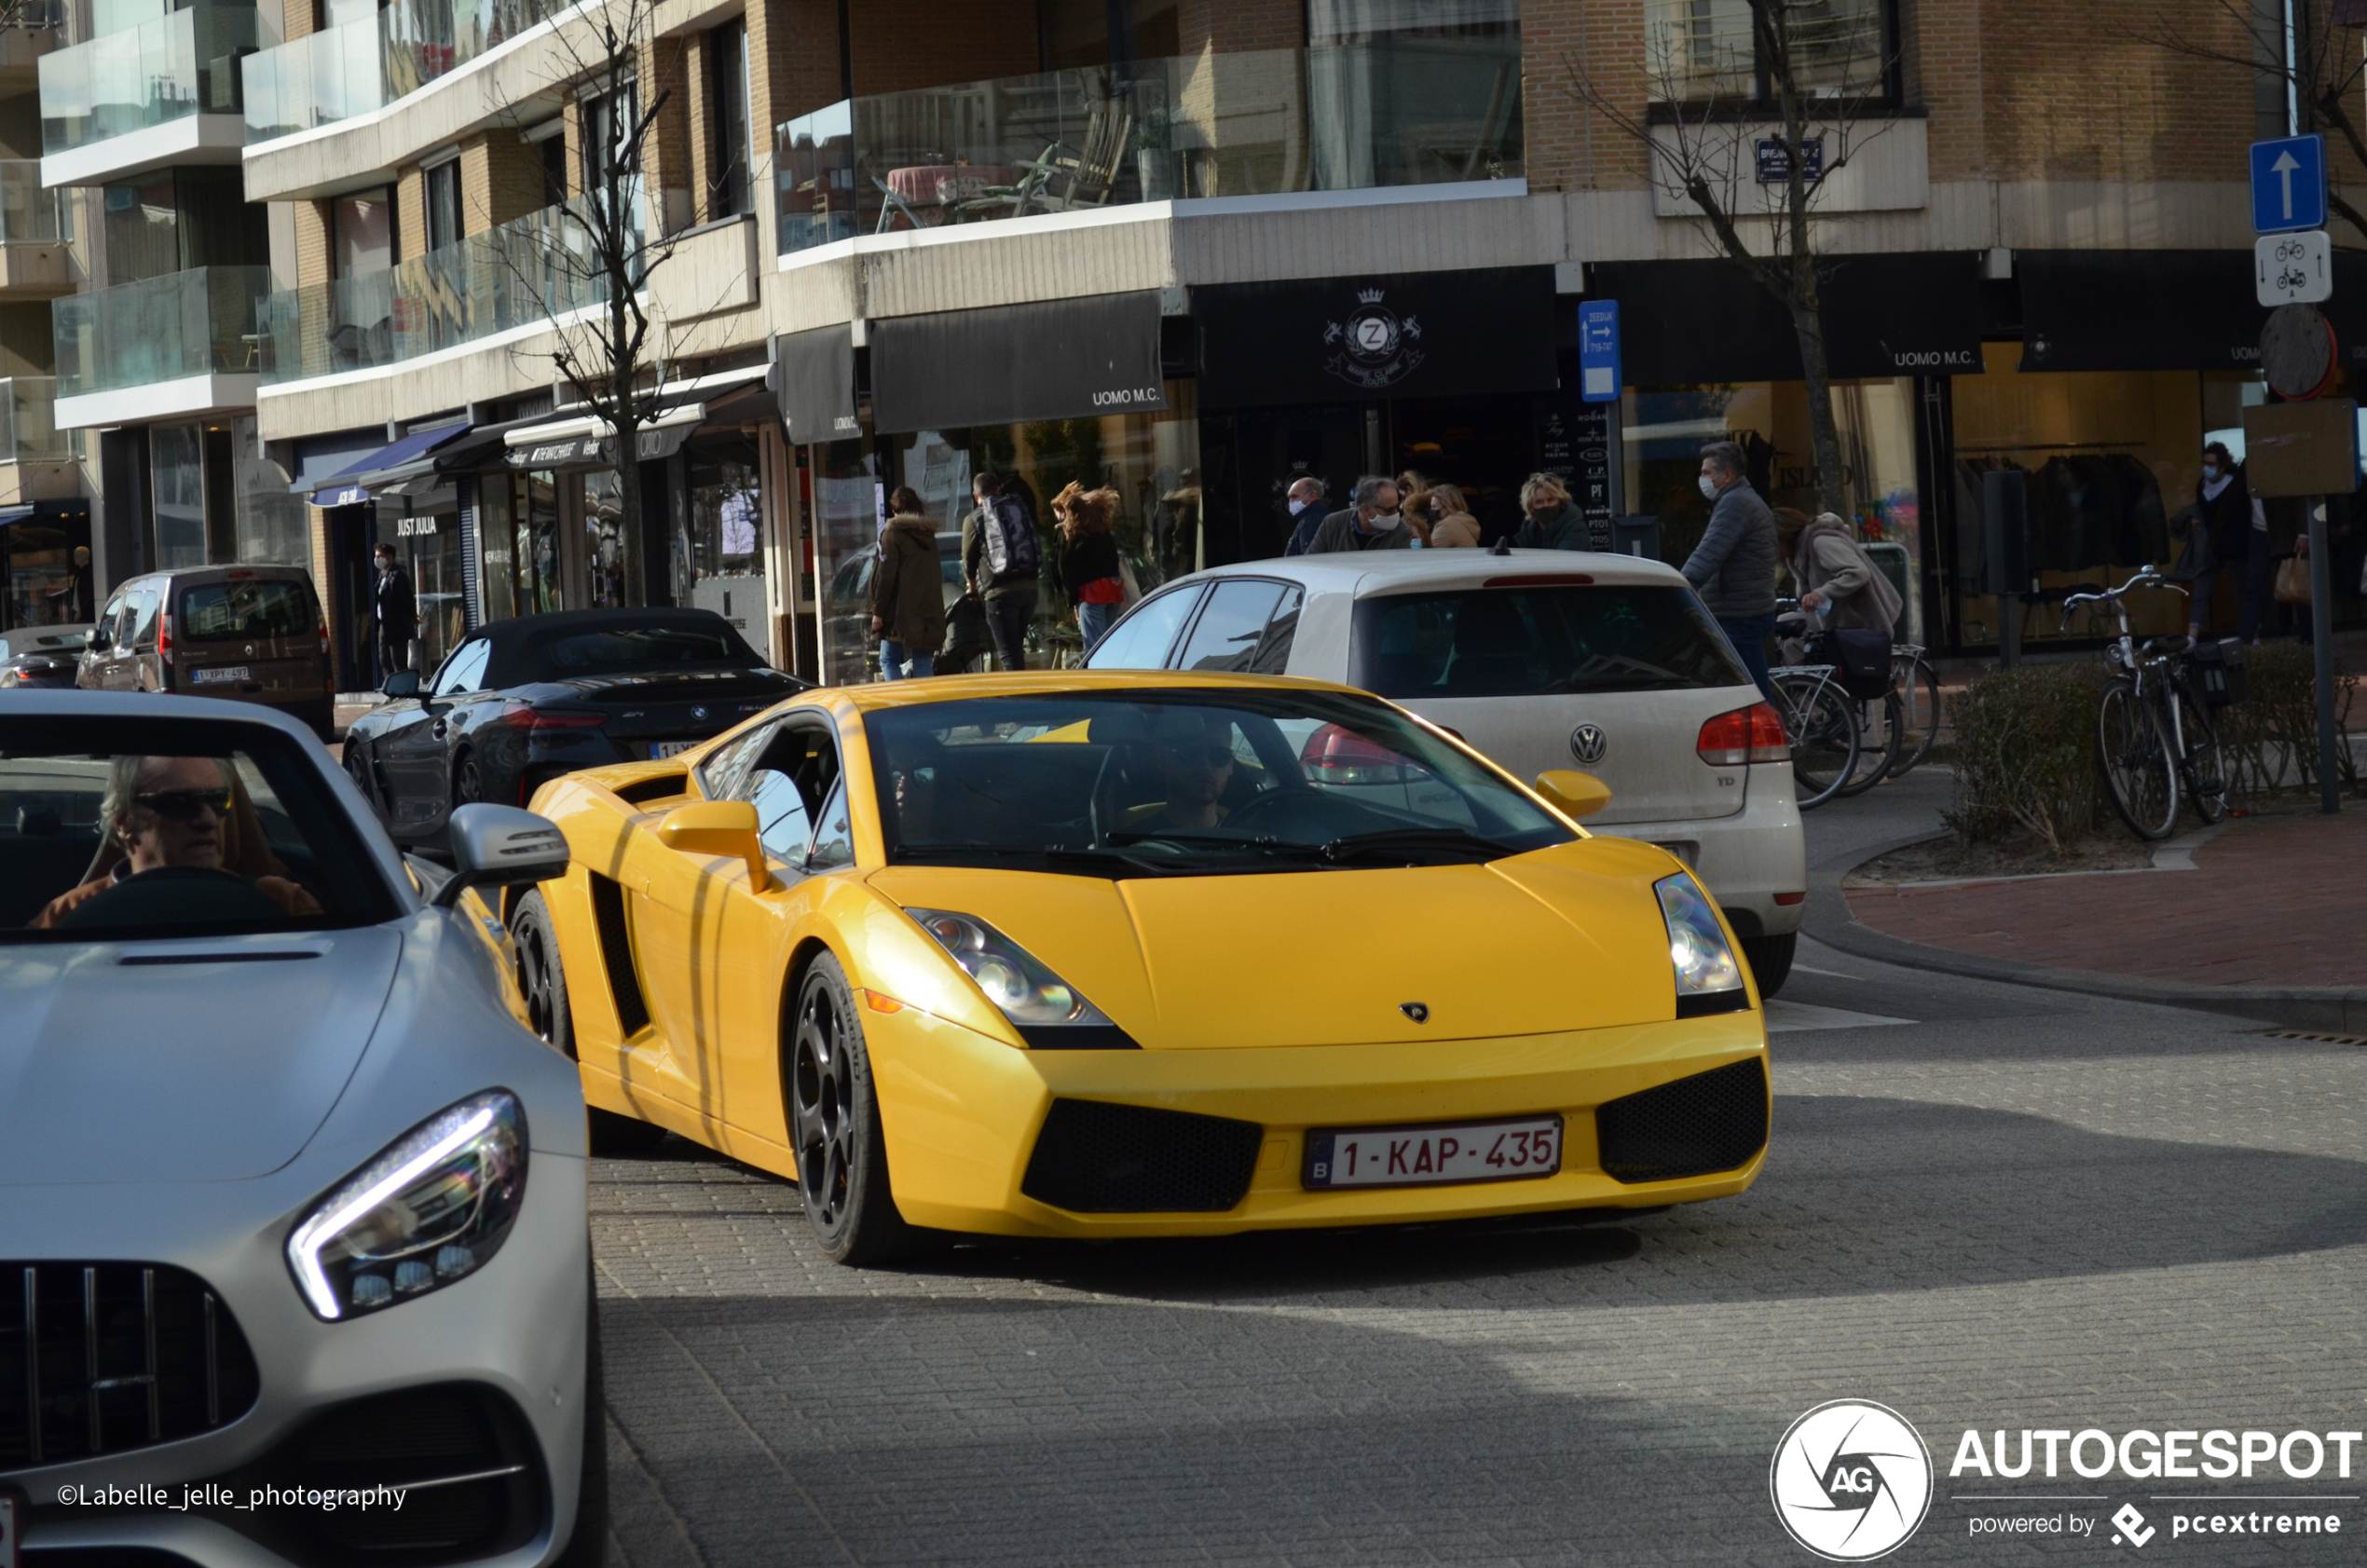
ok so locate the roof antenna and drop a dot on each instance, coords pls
(1503, 545)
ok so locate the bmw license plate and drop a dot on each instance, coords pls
(1441, 1154)
(221, 675)
(661, 750)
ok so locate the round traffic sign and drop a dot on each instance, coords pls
(2297, 351)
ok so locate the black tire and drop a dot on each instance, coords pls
(588, 1540)
(542, 982)
(1879, 737)
(468, 780)
(358, 769)
(1918, 688)
(1770, 961)
(2202, 771)
(834, 1123)
(1822, 727)
(2133, 756)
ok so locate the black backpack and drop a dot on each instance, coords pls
(1009, 539)
(1860, 656)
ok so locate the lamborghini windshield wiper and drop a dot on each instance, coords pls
(1393, 844)
(1084, 862)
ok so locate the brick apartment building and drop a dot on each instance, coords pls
(1192, 249)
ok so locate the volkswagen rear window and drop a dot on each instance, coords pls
(255, 607)
(1539, 641)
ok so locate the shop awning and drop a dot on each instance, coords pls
(1686, 322)
(356, 483)
(14, 515)
(1066, 359)
(818, 384)
(575, 438)
(2163, 310)
(1358, 339)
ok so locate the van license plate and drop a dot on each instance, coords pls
(221, 675)
(1441, 1154)
(661, 750)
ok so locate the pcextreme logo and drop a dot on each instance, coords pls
(1850, 1481)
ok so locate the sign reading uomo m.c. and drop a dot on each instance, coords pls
(1364, 337)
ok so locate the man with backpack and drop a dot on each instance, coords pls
(1001, 560)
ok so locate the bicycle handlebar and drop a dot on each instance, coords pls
(2144, 577)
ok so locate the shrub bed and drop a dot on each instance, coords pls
(2270, 739)
(2026, 756)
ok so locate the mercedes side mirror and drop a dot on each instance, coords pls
(1579, 795)
(403, 683)
(501, 847)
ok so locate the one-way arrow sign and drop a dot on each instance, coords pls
(2289, 184)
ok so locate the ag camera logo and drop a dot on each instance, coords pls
(1850, 1481)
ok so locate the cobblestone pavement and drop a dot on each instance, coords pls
(2022, 1210)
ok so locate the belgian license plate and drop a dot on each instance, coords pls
(1442, 1154)
(660, 750)
(11, 1520)
(221, 675)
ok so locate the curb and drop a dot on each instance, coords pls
(2325, 1009)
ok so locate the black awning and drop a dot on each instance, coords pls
(599, 451)
(2163, 310)
(818, 384)
(1685, 322)
(1402, 335)
(1063, 359)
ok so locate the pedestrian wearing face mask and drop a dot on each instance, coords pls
(1372, 524)
(1733, 567)
(1553, 519)
(1305, 499)
(2237, 526)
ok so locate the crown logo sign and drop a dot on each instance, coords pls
(1369, 296)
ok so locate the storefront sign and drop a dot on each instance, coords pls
(1682, 322)
(818, 384)
(597, 452)
(1068, 359)
(1775, 168)
(2165, 310)
(1576, 443)
(1389, 335)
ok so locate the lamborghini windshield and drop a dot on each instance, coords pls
(1182, 782)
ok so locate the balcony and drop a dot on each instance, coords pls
(185, 343)
(165, 91)
(523, 274)
(1260, 123)
(33, 231)
(37, 458)
(370, 62)
(38, 29)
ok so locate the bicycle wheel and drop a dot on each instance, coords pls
(1880, 730)
(1918, 688)
(2134, 756)
(1822, 725)
(2202, 771)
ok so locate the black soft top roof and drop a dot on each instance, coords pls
(516, 640)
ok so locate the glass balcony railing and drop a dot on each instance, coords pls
(162, 70)
(28, 214)
(29, 431)
(1348, 116)
(532, 269)
(200, 322)
(353, 69)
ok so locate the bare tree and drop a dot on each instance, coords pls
(2325, 69)
(1812, 71)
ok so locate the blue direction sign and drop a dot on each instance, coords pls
(1598, 350)
(2289, 184)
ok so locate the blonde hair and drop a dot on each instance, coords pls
(1543, 485)
(1085, 512)
(1449, 499)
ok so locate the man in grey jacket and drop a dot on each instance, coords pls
(1371, 524)
(1733, 567)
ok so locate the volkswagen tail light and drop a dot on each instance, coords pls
(1340, 757)
(1752, 734)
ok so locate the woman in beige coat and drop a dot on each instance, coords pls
(1455, 527)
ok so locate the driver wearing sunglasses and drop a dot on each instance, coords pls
(169, 812)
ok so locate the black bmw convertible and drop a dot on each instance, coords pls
(521, 701)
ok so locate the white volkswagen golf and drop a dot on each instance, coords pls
(294, 1258)
(1539, 658)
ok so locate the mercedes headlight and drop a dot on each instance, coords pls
(1029, 995)
(432, 1207)
(1708, 978)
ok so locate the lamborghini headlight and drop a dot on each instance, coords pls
(1028, 993)
(432, 1207)
(1708, 978)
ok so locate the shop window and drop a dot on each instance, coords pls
(1701, 51)
(730, 193)
(718, 558)
(427, 544)
(443, 204)
(612, 553)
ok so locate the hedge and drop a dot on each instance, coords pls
(2270, 739)
(2026, 755)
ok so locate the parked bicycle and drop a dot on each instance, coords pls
(2153, 732)
(1917, 685)
(1843, 743)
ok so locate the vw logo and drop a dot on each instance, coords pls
(1852, 1479)
(1588, 743)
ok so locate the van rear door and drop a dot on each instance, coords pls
(248, 634)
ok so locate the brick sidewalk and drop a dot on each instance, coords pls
(2274, 901)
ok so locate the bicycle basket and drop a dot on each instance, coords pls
(1860, 658)
(2219, 672)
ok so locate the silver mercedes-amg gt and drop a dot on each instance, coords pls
(294, 1259)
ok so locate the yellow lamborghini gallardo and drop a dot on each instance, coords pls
(1088, 954)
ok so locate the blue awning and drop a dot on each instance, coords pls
(341, 490)
(14, 515)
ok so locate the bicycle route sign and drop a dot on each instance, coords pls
(2293, 268)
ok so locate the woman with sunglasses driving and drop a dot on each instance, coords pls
(169, 812)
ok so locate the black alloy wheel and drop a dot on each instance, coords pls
(468, 780)
(834, 1121)
(357, 768)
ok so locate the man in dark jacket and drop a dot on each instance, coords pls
(1372, 524)
(1306, 501)
(1551, 520)
(1733, 567)
(1010, 594)
(394, 614)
